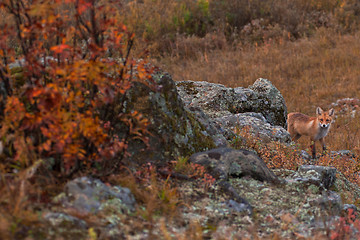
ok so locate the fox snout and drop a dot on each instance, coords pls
(324, 125)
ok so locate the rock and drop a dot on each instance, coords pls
(353, 208)
(346, 106)
(64, 226)
(89, 196)
(349, 190)
(261, 107)
(306, 156)
(217, 100)
(174, 130)
(64, 220)
(241, 204)
(237, 207)
(226, 162)
(259, 126)
(320, 175)
(342, 153)
(270, 102)
(223, 163)
(329, 201)
(212, 128)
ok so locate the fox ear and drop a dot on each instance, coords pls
(319, 111)
(331, 112)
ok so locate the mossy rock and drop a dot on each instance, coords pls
(174, 130)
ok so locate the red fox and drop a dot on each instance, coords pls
(315, 127)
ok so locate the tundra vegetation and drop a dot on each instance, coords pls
(66, 65)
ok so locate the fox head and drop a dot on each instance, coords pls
(324, 117)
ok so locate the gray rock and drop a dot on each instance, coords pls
(237, 207)
(217, 100)
(342, 153)
(324, 176)
(329, 201)
(212, 128)
(174, 131)
(213, 99)
(63, 226)
(64, 220)
(88, 196)
(259, 126)
(226, 162)
(239, 202)
(261, 107)
(270, 102)
(305, 155)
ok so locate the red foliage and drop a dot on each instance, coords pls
(346, 227)
(76, 63)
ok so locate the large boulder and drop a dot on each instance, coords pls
(269, 102)
(217, 100)
(174, 131)
(261, 107)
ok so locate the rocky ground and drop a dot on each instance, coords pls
(231, 194)
(299, 208)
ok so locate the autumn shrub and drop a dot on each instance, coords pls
(64, 69)
(346, 227)
(347, 165)
(274, 154)
(75, 66)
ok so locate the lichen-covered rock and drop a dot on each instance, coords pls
(257, 126)
(90, 195)
(63, 226)
(324, 176)
(329, 200)
(219, 134)
(223, 163)
(174, 130)
(270, 102)
(260, 107)
(217, 100)
(214, 99)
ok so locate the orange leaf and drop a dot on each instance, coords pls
(59, 48)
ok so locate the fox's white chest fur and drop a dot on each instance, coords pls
(322, 132)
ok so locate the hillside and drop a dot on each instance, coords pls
(151, 119)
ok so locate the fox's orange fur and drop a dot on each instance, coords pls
(315, 127)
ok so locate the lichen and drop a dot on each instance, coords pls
(189, 87)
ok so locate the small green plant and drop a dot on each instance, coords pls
(181, 165)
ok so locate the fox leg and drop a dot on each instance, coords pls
(313, 150)
(321, 140)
